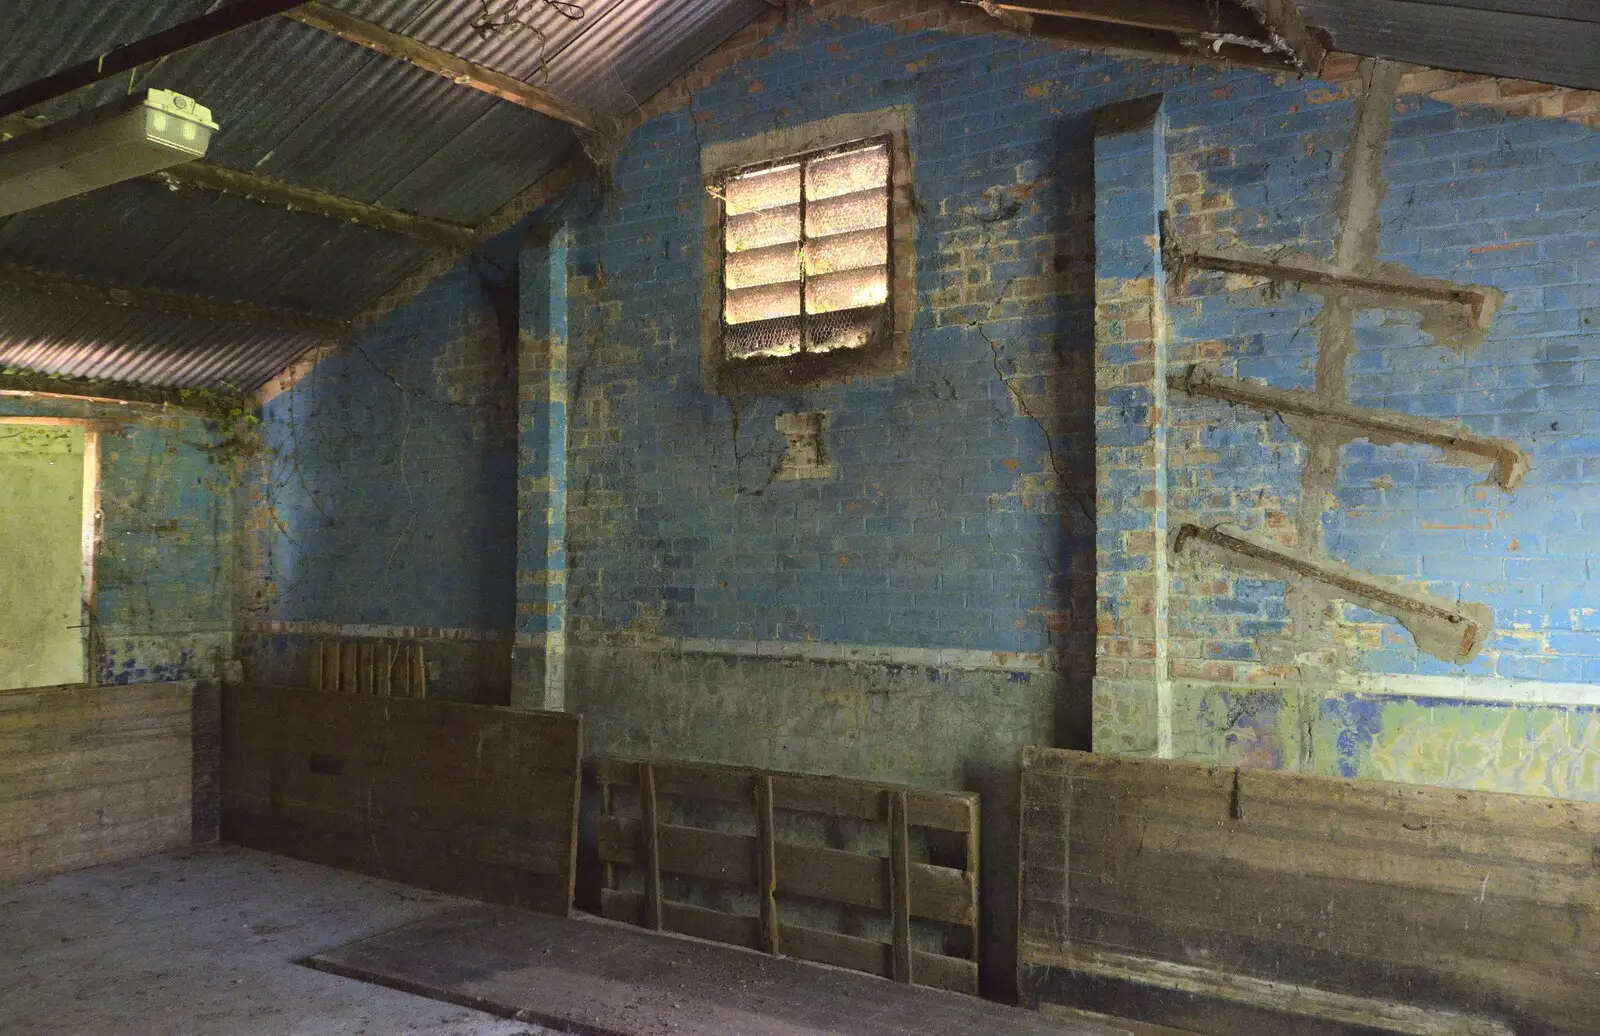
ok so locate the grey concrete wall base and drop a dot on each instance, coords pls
(926, 727)
(1127, 716)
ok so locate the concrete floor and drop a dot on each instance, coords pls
(204, 943)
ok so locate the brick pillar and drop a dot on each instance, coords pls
(539, 673)
(1132, 692)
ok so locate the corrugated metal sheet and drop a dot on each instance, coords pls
(1551, 41)
(313, 110)
(58, 336)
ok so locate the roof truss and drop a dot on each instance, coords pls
(442, 63)
(1257, 33)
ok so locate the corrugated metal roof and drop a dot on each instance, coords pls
(1550, 41)
(307, 108)
(61, 336)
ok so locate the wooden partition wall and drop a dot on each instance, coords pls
(90, 775)
(1249, 902)
(726, 836)
(465, 799)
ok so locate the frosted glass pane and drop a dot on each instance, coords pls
(741, 306)
(848, 172)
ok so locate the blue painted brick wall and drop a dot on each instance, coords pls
(391, 488)
(943, 527)
(163, 564)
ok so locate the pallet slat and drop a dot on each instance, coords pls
(772, 868)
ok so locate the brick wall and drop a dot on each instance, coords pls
(163, 565)
(385, 503)
(931, 607)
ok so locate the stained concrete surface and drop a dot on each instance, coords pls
(204, 942)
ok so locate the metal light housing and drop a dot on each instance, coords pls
(133, 137)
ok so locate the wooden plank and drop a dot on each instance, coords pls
(383, 669)
(364, 669)
(58, 284)
(652, 846)
(402, 671)
(766, 865)
(349, 658)
(807, 793)
(330, 665)
(802, 943)
(441, 63)
(937, 893)
(91, 775)
(419, 672)
(458, 798)
(314, 658)
(1178, 16)
(237, 183)
(899, 886)
(1435, 900)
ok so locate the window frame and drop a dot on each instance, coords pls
(887, 351)
(883, 321)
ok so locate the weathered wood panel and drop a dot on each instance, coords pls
(1242, 901)
(475, 801)
(891, 884)
(89, 775)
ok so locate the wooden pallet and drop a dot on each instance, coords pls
(377, 668)
(781, 872)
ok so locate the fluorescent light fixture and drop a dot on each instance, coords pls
(133, 137)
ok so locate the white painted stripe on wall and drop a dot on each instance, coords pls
(1497, 689)
(370, 630)
(818, 651)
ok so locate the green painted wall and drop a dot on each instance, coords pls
(41, 555)
(162, 605)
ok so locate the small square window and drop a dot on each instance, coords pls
(805, 242)
(809, 241)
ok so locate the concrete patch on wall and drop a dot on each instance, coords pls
(919, 725)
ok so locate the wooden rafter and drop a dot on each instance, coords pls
(1188, 16)
(239, 184)
(1304, 47)
(442, 63)
(64, 285)
(266, 191)
(129, 56)
(1257, 33)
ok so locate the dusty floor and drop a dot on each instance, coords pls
(204, 943)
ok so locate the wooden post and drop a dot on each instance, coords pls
(383, 669)
(767, 864)
(974, 831)
(419, 672)
(402, 671)
(347, 669)
(900, 885)
(364, 669)
(330, 665)
(653, 912)
(315, 665)
(608, 805)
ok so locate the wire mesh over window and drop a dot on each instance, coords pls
(806, 252)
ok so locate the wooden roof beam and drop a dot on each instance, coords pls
(1303, 47)
(253, 187)
(1256, 33)
(442, 63)
(1182, 16)
(128, 56)
(63, 285)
